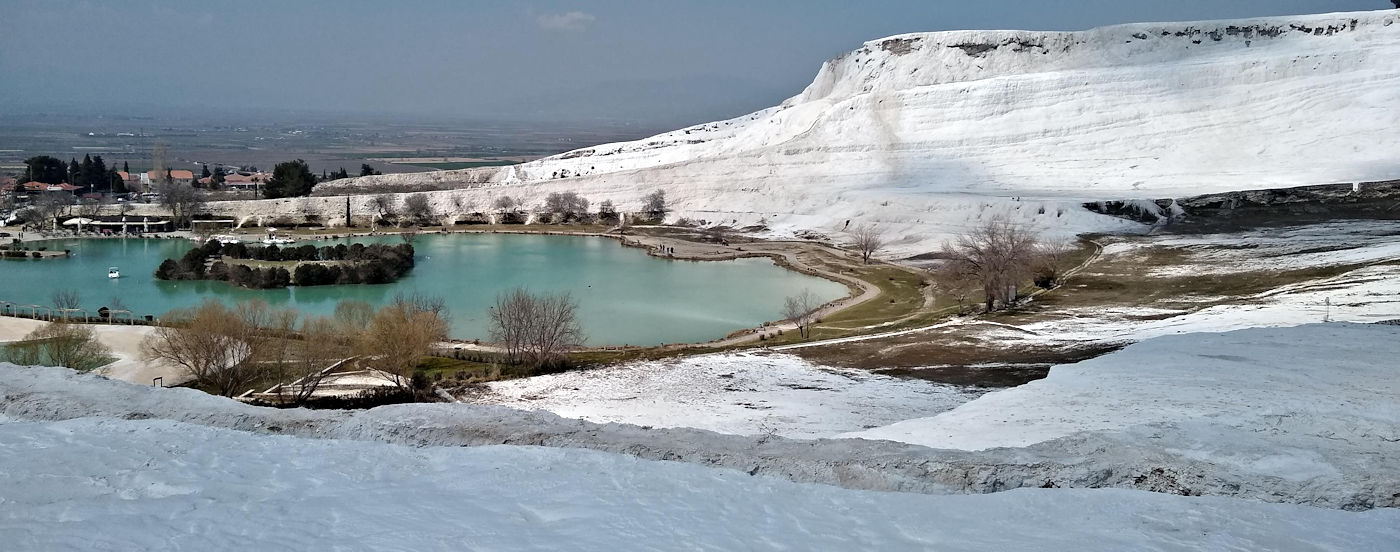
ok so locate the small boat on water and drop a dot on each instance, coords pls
(227, 239)
(274, 239)
(112, 272)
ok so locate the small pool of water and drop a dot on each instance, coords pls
(625, 296)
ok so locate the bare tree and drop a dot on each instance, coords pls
(65, 299)
(869, 240)
(999, 254)
(654, 204)
(535, 329)
(158, 165)
(68, 345)
(181, 199)
(399, 336)
(383, 205)
(89, 208)
(568, 204)
(273, 331)
(1050, 259)
(460, 206)
(555, 329)
(954, 280)
(353, 316)
(510, 321)
(417, 208)
(801, 309)
(45, 210)
(504, 203)
(425, 303)
(606, 210)
(321, 345)
(211, 344)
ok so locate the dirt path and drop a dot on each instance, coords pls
(125, 343)
(1098, 251)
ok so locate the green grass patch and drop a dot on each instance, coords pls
(901, 293)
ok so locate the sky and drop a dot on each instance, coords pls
(654, 62)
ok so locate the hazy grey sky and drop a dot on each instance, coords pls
(649, 61)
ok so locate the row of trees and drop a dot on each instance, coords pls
(227, 349)
(355, 264)
(91, 173)
(535, 329)
(365, 170)
(338, 252)
(418, 209)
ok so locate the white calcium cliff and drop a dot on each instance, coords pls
(928, 133)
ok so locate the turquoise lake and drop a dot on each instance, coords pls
(625, 296)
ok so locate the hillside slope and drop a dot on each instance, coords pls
(928, 132)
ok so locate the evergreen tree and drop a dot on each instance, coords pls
(101, 181)
(115, 182)
(290, 179)
(86, 177)
(205, 172)
(125, 168)
(43, 168)
(365, 170)
(73, 170)
(218, 178)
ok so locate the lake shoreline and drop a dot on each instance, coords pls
(785, 255)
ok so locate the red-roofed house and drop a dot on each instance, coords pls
(33, 187)
(130, 180)
(177, 176)
(238, 181)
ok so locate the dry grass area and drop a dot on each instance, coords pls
(1121, 280)
(1140, 283)
(1144, 281)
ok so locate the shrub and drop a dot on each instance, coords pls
(373, 264)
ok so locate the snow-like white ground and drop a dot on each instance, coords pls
(105, 484)
(1368, 293)
(928, 133)
(748, 393)
(1272, 400)
(124, 342)
(1337, 243)
(739, 393)
(1302, 415)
